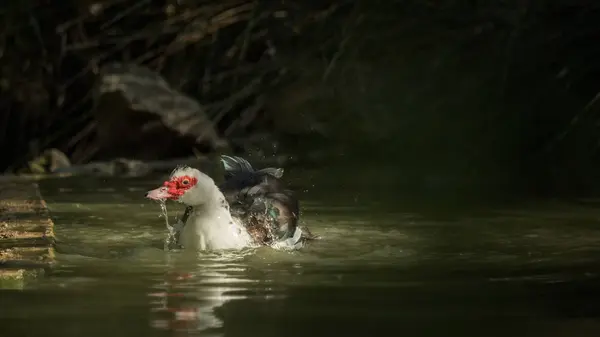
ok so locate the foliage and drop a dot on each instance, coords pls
(225, 53)
(471, 88)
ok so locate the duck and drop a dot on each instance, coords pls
(250, 208)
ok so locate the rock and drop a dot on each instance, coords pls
(49, 161)
(139, 115)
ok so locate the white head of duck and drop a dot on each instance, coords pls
(264, 212)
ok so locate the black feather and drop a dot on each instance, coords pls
(260, 198)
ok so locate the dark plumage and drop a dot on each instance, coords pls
(260, 200)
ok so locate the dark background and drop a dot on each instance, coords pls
(500, 95)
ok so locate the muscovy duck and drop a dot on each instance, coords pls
(251, 208)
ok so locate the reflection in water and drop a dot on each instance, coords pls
(384, 264)
(187, 299)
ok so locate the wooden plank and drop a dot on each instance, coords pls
(26, 232)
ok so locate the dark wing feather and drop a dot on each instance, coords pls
(233, 165)
(275, 172)
(237, 165)
(260, 199)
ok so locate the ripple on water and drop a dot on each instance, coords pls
(366, 260)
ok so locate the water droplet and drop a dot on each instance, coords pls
(171, 231)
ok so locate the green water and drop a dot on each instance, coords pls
(388, 264)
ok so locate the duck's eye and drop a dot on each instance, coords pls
(185, 182)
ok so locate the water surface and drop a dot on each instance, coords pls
(387, 264)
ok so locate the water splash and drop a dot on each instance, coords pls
(170, 239)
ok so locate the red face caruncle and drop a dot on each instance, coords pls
(177, 186)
